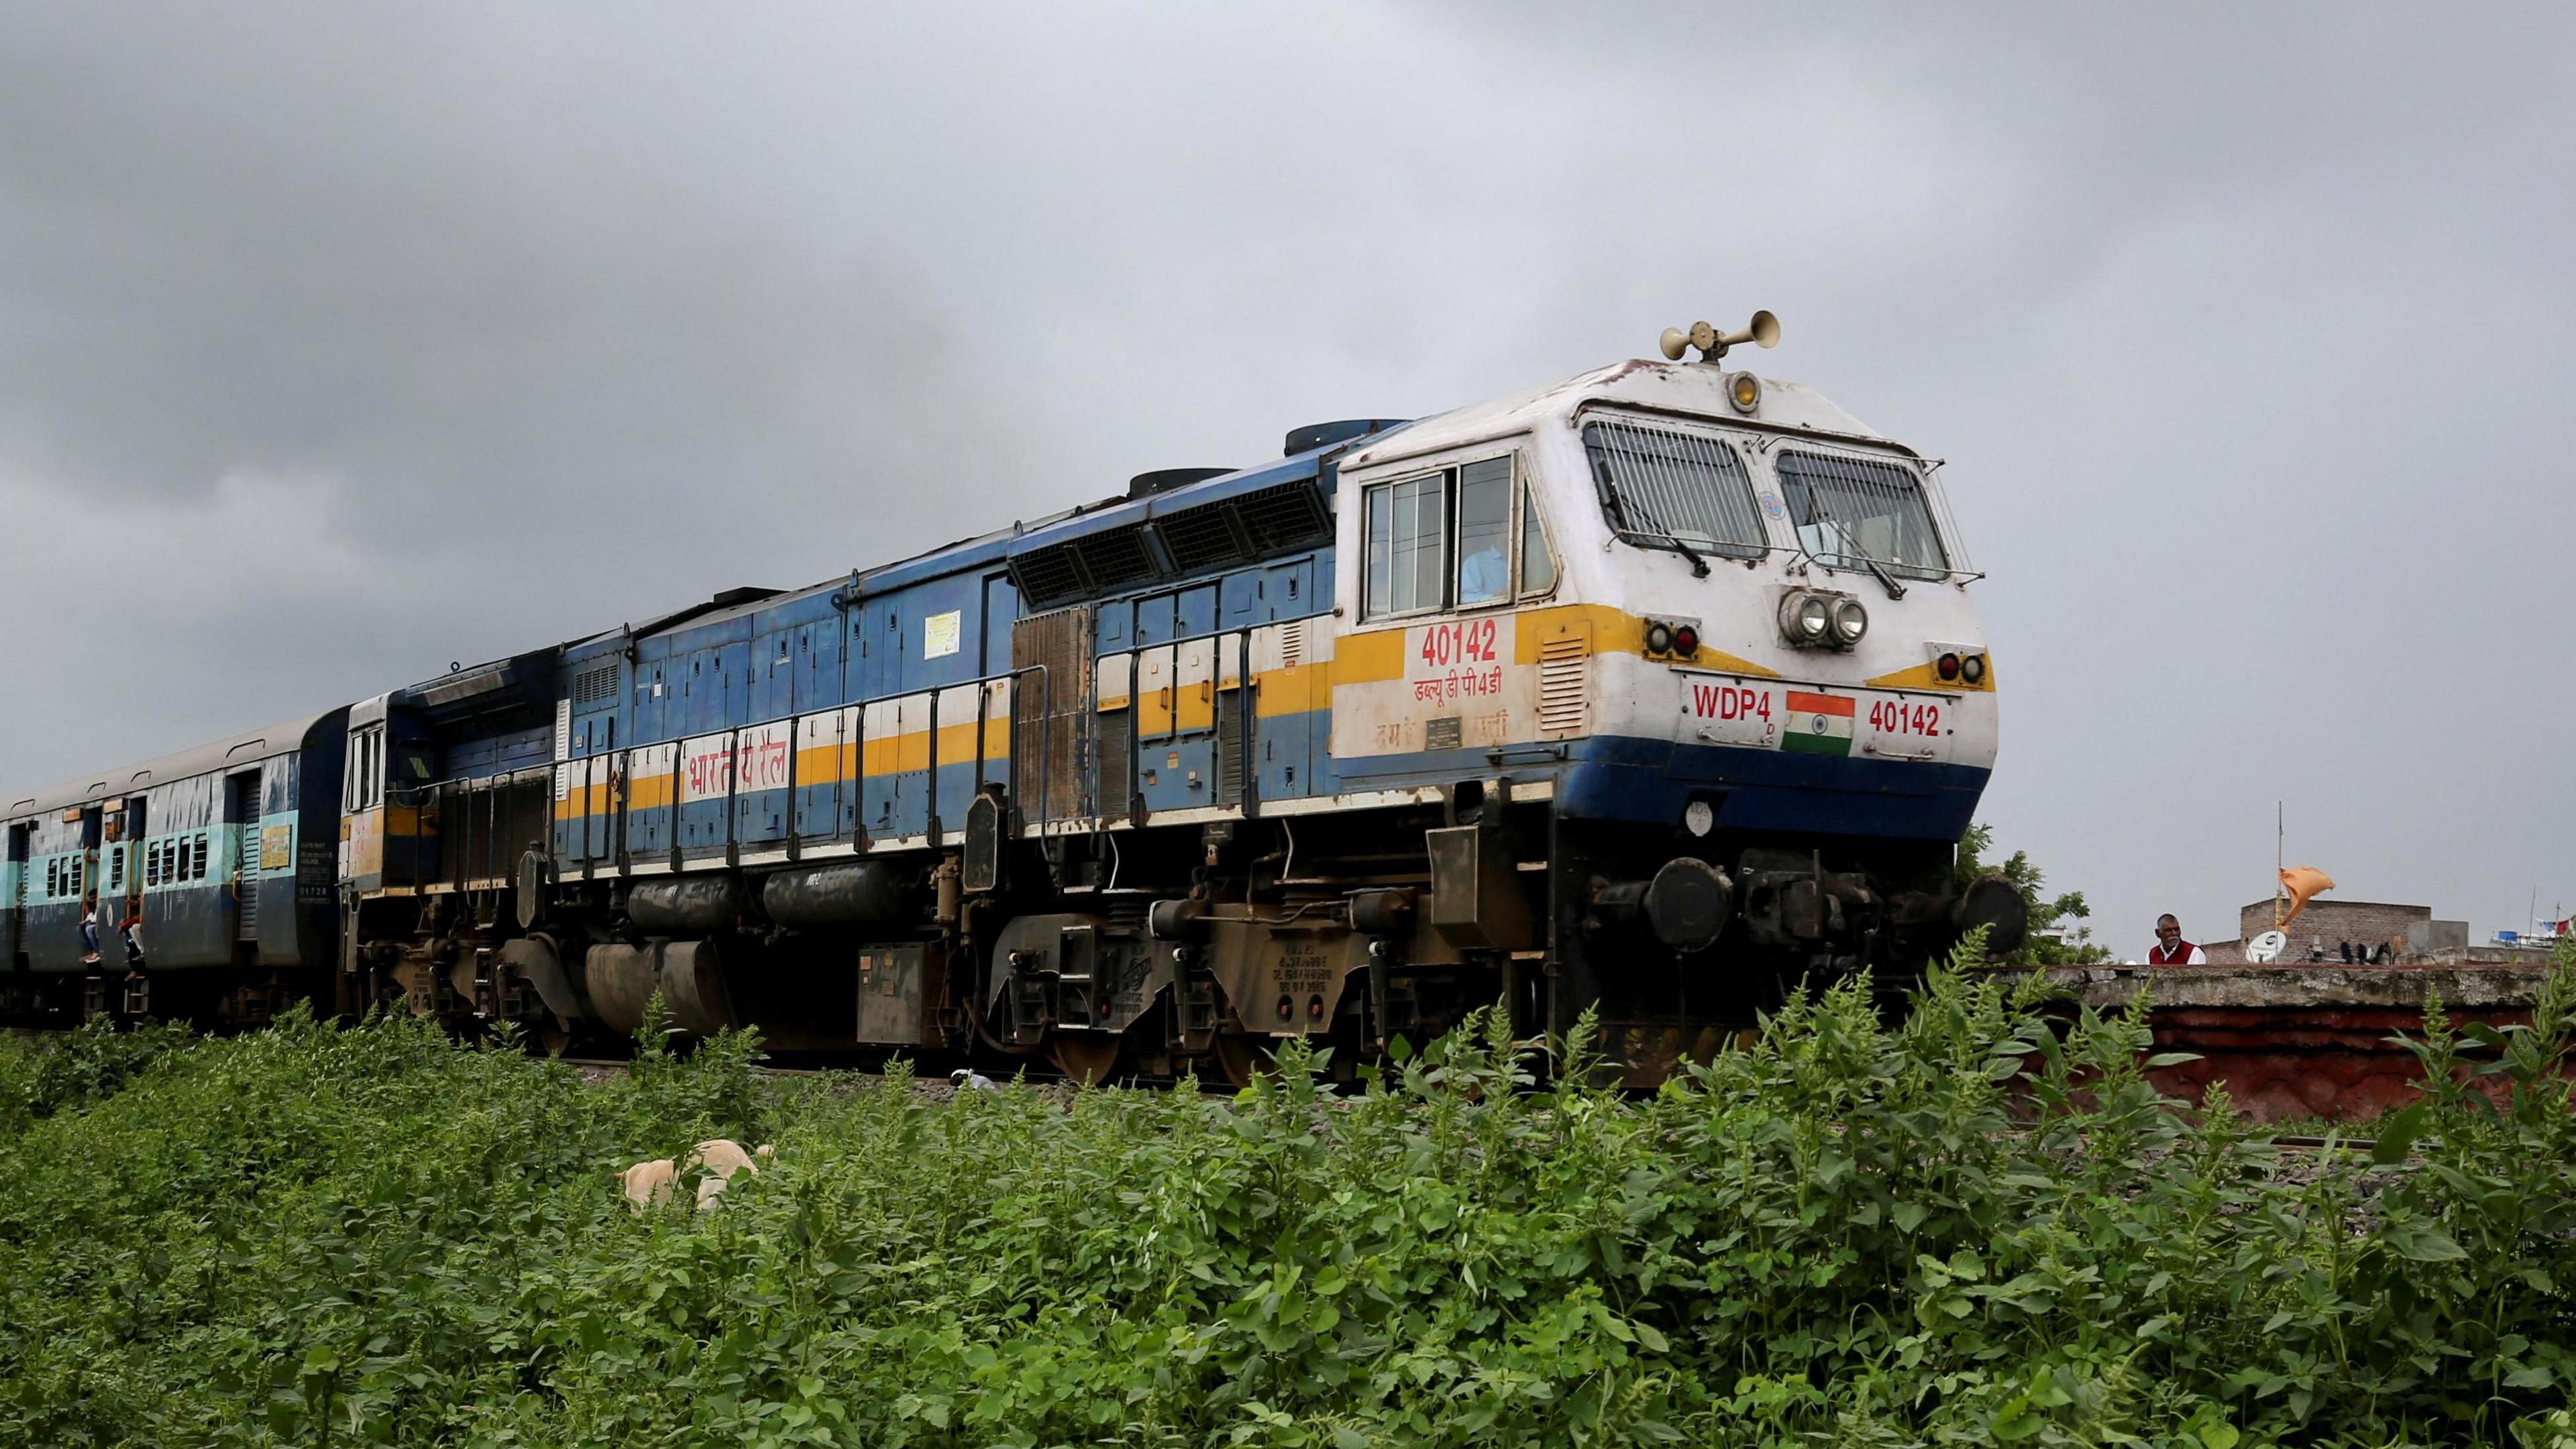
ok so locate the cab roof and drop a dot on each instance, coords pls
(1692, 388)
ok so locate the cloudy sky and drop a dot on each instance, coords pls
(340, 342)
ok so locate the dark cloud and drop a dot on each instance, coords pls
(336, 344)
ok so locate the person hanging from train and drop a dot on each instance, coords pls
(2171, 949)
(89, 930)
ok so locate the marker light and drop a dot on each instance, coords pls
(1947, 666)
(1850, 621)
(1685, 640)
(1744, 390)
(1973, 669)
(1659, 638)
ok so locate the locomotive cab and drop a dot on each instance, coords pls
(1722, 627)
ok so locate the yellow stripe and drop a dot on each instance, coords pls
(1368, 658)
(827, 764)
(1291, 690)
(1616, 631)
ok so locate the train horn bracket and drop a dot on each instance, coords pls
(1762, 331)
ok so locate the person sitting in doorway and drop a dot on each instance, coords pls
(2171, 949)
(89, 930)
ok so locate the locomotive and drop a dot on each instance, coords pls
(1647, 692)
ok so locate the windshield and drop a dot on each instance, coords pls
(1850, 510)
(1660, 486)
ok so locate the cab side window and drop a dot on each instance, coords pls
(1456, 538)
(366, 769)
(1484, 533)
(1538, 562)
(1408, 546)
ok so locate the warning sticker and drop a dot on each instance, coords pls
(939, 634)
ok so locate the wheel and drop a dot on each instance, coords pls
(1083, 1057)
(1240, 1057)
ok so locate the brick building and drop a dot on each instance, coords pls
(2327, 926)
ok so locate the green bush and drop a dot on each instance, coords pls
(1968, 1228)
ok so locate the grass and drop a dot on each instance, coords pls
(1847, 1233)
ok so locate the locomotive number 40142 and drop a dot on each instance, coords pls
(1470, 641)
(1905, 717)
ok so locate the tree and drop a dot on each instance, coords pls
(2057, 936)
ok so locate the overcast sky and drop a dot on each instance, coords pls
(340, 342)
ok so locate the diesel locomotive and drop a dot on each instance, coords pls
(1646, 692)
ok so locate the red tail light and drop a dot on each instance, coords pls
(1948, 666)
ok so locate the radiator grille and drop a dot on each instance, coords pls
(595, 685)
(1048, 576)
(1288, 516)
(1116, 557)
(1200, 538)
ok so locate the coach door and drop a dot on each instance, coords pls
(13, 892)
(241, 828)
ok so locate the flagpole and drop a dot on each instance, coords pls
(2280, 855)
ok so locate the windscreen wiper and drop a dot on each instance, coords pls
(1886, 580)
(1895, 590)
(1699, 566)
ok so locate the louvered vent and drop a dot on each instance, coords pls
(1292, 644)
(1562, 696)
(1116, 732)
(1290, 515)
(1200, 539)
(1229, 747)
(1048, 576)
(595, 685)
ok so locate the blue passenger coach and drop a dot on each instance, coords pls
(213, 865)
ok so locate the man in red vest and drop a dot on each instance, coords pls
(2171, 949)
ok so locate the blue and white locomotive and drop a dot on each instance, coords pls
(1646, 691)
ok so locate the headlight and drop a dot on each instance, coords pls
(1850, 621)
(1805, 618)
(1744, 391)
(1973, 669)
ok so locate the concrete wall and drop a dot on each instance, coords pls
(2291, 1043)
(2327, 923)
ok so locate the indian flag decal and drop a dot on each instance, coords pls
(1818, 724)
